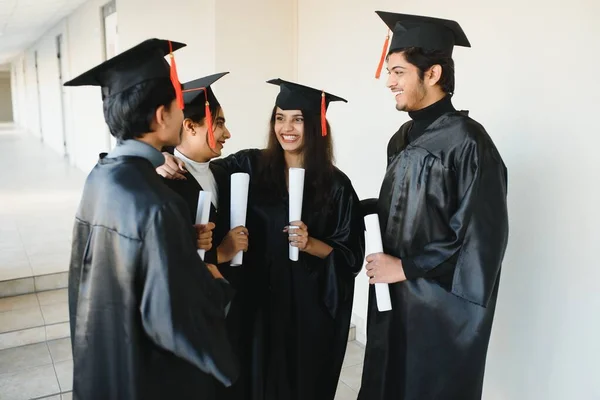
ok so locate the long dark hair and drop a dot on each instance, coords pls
(317, 157)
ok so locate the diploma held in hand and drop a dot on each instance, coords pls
(374, 245)
(240, 183)
(296, 191)
(203, 213)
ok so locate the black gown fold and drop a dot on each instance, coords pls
(302, 309)
(147, 317)
(442, 209)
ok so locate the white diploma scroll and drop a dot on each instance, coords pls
(296, 191)
(239, 205)
(203, 213)
(374, 245)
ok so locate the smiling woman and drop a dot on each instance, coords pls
(298, 312)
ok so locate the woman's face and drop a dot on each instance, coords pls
(289, 129)
(198, 135)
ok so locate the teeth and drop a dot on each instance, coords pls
(289, 137)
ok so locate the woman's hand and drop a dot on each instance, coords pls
(235, 241)
(298, 235)
(204, 232)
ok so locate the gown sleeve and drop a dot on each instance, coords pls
(479, 226)
(348, 243)
(242, 161)
(183, 306)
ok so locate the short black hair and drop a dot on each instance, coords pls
(129, 114)
(425, 59)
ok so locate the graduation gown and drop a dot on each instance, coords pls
(147, 317)
(442, 209)
(302, 309)
(189, 189)
(238, 318)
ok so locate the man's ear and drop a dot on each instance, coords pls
(160, 116)
(433, 75)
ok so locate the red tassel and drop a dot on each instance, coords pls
(211, 134)
(323, 115)
(175, 78)
(383, 54)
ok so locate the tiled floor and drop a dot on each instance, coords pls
(43, 369)
(41, 365)
(38, 198)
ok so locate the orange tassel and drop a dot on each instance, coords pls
(323, 115)
(383, 54)
(211, 134)
(175, 78)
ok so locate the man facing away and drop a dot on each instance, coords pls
(443, 215)
(147, 315)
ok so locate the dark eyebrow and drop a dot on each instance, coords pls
(398, 66)
(221, 119)
(293, 116)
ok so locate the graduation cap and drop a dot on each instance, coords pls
(138, 64)
(198, 96)
(293, 96)
(427, 33)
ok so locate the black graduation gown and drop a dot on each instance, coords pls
(238, 320)
(147, 317)
(303, 309)
(442, 202)
(189, 189)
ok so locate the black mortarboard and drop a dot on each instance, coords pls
(194, 95)
(199, 98)
(141, 63)
(293, 96)
(423, 32)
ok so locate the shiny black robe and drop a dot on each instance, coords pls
(442, 209)
(147, 317)
(301, 309)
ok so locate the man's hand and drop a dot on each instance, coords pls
(173, 168)
(235, 241)
(382, 268)
(214, 271)
(204, 232)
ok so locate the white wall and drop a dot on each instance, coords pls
(255, 43)
(6, 107)
(529, 78)
(217, 39)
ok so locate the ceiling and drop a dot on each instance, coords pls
(22, 22)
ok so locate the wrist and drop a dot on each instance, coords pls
(309, 245)
(221, 257)
(400, 275)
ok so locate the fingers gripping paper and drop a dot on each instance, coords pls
(203, 213)
(296, 192)
(375, 245)
(240, 183)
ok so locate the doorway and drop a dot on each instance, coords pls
(60, 56)
(39, 99)
(111, 45)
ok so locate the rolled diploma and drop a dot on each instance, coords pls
(239, 205)
(296, 191)
(203, 213)
(375, 245)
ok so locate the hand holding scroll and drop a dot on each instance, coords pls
(382, 268)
